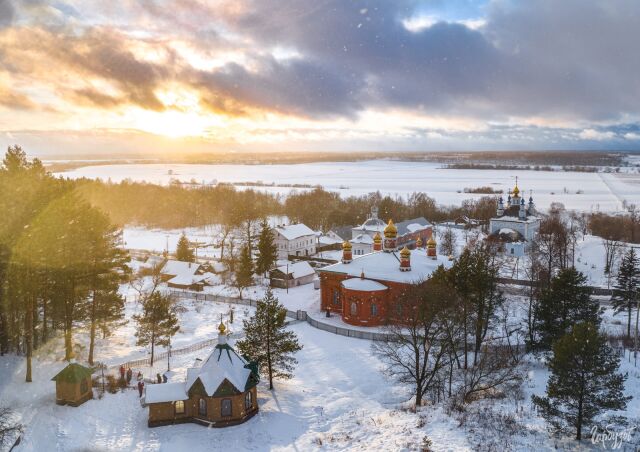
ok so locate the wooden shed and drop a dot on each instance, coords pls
(73, 385)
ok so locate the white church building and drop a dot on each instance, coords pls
(516, 224)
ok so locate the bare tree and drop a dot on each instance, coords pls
(415, 350)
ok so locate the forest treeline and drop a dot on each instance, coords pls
(177, 207)
(60, 263)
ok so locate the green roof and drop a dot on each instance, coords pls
(73, 373)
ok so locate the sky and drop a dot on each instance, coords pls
(170, 77)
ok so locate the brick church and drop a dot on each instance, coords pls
(363, 289)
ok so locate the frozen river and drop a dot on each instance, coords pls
(577, 191)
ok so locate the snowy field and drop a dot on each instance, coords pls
(577, 191)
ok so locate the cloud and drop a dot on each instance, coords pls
(570, 63)
(6, 13)
(592, 134)
(632, 136)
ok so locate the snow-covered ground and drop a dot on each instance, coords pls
(577, 191)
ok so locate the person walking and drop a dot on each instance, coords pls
(122, 371)
(140, 387)
(129, 375)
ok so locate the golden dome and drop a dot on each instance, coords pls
(516, 190)
(221, 328)
(377, 238)
(431, 243)
(390, 231)
(419, 242)
(405, 253)
(346, 245)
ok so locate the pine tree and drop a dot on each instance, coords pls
(267, 251)
(627, 290)
(267, 342)
(183, 251)
(564, 303)
(583, 382)
(244, 272)
(157, 323)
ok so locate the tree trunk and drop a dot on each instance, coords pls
(153, 343)
(629, 320)
(92, 333)
(29, 337)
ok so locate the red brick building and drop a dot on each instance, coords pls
(363, 289)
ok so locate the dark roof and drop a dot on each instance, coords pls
(73, 373)
(402, 226)
(344, 232)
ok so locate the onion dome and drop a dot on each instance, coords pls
(346, 245)
(405, 253)
(221, 328)
(390, 231)
(377, 238)
(516, 190)
(431, 243)
(419, 242)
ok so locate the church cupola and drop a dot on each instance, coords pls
(222, 336)
(377, 242)
(346, 252)
(532, 206)
(509, 200)
(419, 242)
(500, 210)
(431, 248)
(390, 236)
(405, 260)
(523, 213)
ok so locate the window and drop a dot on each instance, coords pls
(354, 308)
(512, 250)
(374, 309)
(179, 407)
(202, 407)
(225, 408)
(247, 401)
(336, 296)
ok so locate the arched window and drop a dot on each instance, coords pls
(202, 407)
(179, 407)
(336, 297)
(247, 401)
(354, 308)
(225, 407)
(374, 309)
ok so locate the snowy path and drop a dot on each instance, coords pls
(337, 398)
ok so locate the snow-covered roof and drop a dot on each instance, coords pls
(223, 363)
(372, 224)
(298, 269)
(412, 225)
(175, 268)
(294, 231)
(365, 239)
(385, 266)
(364, 285)
(165, 392)
(328, 240)
(187, 280)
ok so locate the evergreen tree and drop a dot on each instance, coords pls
(266, 340)
(157, 323)
(583, 380)
(627, 290)
(564, 303)
(267, 251)
(244, 272)
(183, 251)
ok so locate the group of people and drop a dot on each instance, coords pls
(127, 375)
